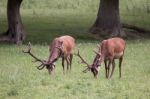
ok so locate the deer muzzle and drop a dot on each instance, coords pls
(50, 68)
(94, 71)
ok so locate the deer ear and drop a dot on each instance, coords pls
(60, 42)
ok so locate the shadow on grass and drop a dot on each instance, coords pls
(42, 30)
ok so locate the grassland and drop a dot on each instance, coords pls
(46, 19)
(21, 80)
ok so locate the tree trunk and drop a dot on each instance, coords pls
(108, 19)
(135, 28)
(15, 32)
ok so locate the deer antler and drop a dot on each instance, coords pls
(43, 62)
(97, 53)
(83, 61)
(98, 45)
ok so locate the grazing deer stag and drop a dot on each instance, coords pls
(60, 47)
(109, 50)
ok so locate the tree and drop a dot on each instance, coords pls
(16, 32)
(108, 19)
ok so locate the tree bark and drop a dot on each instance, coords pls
(16, 32)
(108, 19)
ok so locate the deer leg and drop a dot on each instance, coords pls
(106, 68)
(113, 67)
(63, 65)
(120, 62)
(68, 63)
(71, 57)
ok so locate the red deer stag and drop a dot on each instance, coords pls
(109, 50)
(60, 47)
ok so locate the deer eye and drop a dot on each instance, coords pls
(98, 65)
(55, 59)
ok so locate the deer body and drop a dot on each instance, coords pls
(108, 51)
(62, 47)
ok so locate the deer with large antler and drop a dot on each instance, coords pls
(108, 51)
(61, 47)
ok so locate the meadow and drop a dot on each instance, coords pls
(47, 19)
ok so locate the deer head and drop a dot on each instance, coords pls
(44, 63)
(109, 50)
(96, 63)
(94, 67)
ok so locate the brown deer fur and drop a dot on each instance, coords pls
(62, 47)
(109, 50)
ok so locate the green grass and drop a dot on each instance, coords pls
(47, 19)
(21, 80)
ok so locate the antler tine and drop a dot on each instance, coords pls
(82, 60)
(98, 45)
(84, 71)
(41, 67)
(29, 48)
(96, 52)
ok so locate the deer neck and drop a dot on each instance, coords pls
(54, 55)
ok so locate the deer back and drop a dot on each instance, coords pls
(68, 44)
(113, 47)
